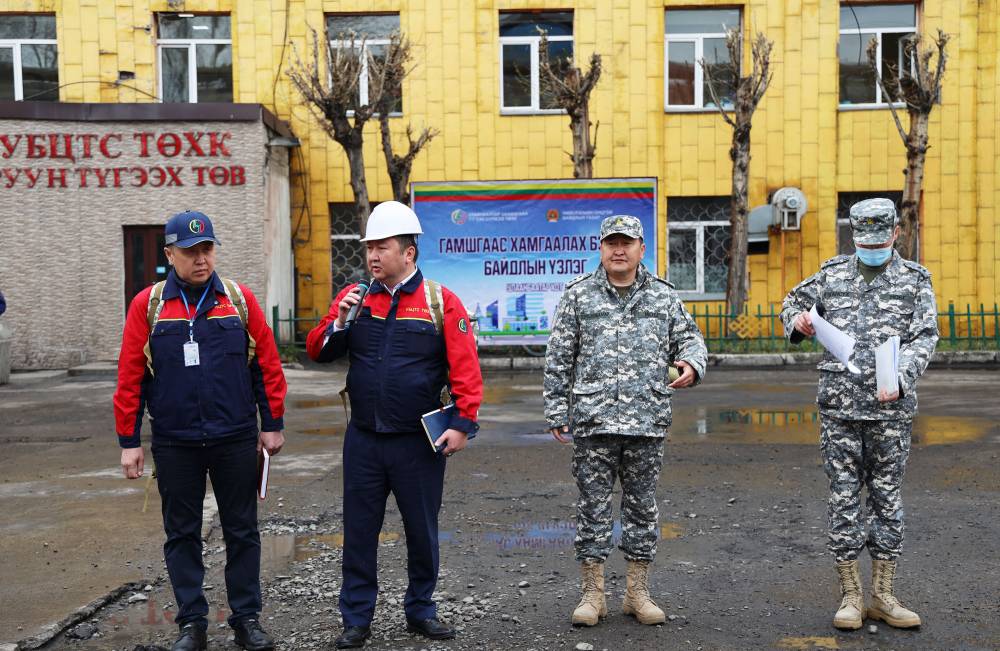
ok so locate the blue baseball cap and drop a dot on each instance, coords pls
(189, 228)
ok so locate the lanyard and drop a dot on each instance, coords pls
(187, 310)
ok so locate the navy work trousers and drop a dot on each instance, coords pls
(374, 466)
(180, 476)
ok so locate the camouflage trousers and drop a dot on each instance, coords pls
(872, 453)
(636, 461)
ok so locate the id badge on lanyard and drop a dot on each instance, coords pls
(191, 355)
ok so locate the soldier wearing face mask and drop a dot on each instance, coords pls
(865, 435)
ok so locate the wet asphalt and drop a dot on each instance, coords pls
(742, 562)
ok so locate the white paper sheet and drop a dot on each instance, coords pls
(839, 343)
(887, 365)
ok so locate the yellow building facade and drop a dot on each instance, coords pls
(803, 135)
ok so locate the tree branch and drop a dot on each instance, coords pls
(872, 52)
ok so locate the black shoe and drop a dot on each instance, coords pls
(430, 628)
(353, 637)
(192, 638)
(251, 636)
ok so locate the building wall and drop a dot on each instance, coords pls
(800, 137)
(62, 249)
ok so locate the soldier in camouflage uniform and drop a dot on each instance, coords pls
(616, 333)
(865, 436)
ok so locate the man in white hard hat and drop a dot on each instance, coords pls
(409, 339)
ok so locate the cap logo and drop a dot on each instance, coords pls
(196, 226)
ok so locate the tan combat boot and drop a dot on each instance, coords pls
(637, 600)
(592, 606)
(852, 606)
(885, 606)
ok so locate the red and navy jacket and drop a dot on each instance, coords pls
(218, 398)
(399, 362)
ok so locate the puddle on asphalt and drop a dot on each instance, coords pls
(316, 403)
(497, 394)
(787, 427)
(801, 427)
(559, 534)
(323, 431)
(276, 552)
(808, 643)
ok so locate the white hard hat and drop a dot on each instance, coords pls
(389, 219)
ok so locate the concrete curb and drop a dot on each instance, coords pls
(100, 369)
(985, 359)
(49, 633)
(941, 359)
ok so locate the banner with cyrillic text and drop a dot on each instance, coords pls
(508, 248)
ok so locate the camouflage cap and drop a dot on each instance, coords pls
(627, 225)
(873, 220)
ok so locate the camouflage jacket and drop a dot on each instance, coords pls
(612, 355)
(899, 301)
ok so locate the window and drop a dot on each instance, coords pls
(374, 30)
(520, 88)
(698, 244)
(29, 61)
(347, 251)
(845, 240)
(693, 35)
(196, 58)
(859, 24)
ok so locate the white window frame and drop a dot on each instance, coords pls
(15, 44)
(536, 95)
(699, 74)
(878, 32)
(190, 44)
(699, 227)
(363, 81)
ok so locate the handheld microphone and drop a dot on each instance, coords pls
(353, 314)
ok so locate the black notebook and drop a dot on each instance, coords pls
(437, 422)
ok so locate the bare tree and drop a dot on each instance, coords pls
(920, 89)
(748, 90)
(570, 88)
(331, 91)
(386, 75)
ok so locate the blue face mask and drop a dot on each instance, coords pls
(874, 257)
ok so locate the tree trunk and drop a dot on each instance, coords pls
(356, 161)
(398, 167)
(916, 152)
(583, 152)
(737, 286)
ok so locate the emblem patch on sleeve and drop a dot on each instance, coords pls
(463, 326)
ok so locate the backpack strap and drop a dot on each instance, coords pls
(235, 295)
(154, 305)
(435, 299)
(432, 292)
(153, 308)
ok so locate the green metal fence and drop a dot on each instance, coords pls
(755, 331)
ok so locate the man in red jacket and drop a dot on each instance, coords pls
(408, 339)
(198, 354)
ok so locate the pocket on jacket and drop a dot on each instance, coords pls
(840, 310)
(234, 337)
(166, 341)
(589, 403)
(663, 411)
(419, 338)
